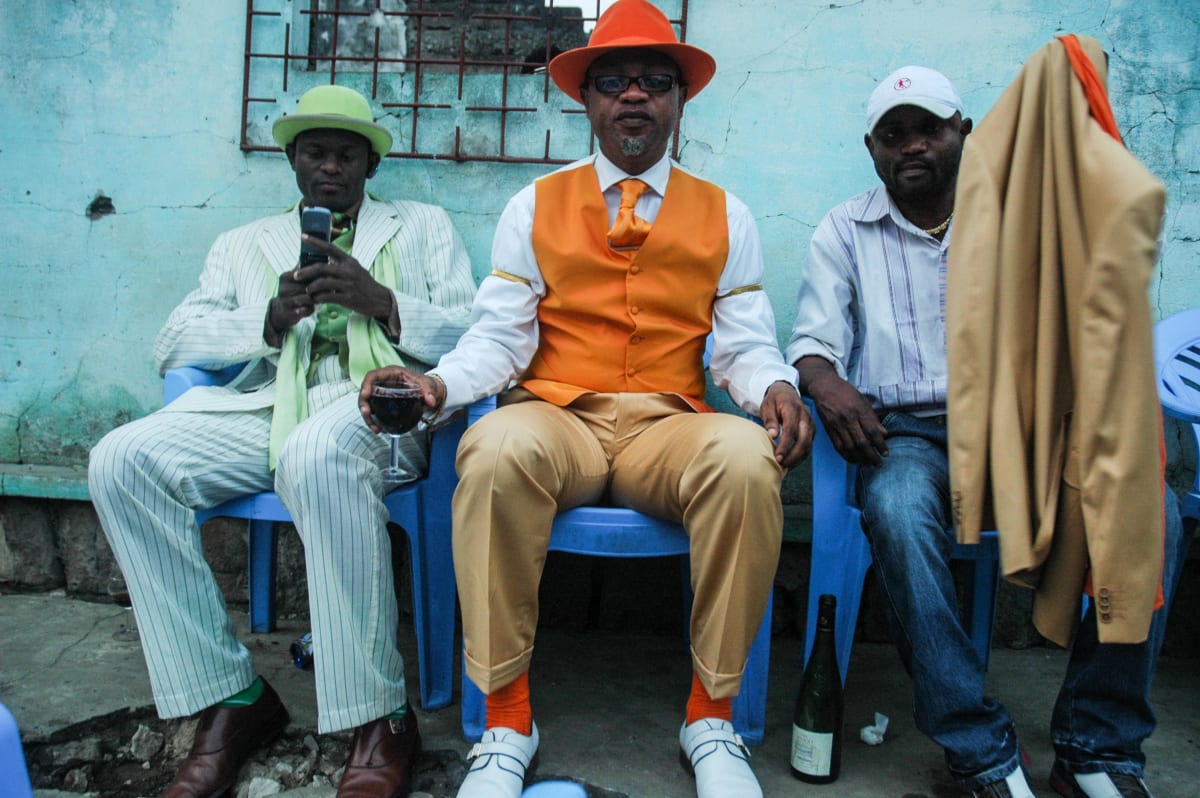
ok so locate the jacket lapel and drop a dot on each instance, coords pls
(377, 223)
(279, 240)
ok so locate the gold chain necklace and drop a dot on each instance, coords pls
(941, 228)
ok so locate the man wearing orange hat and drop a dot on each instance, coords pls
(396, 287)
(608, 277)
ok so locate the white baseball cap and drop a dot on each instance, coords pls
(914, 85)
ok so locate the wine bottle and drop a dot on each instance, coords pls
(817, 720)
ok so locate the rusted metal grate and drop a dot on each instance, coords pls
(460, 80)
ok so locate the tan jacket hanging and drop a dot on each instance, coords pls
(1053, 417)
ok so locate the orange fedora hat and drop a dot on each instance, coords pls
(626, 24)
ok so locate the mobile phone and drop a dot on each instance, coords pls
(316, 222)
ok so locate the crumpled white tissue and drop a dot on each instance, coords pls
(873, 735)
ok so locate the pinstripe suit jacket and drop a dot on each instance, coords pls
(221, 322)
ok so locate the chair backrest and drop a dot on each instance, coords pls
(1177, 366)
(177, 381)
(14, 778)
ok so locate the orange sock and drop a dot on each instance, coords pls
(509, 706)
(700, 705)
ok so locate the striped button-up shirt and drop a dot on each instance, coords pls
(872, 303)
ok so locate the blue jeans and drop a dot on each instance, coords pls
(1103, 711)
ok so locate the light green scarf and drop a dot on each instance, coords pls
(369, 348)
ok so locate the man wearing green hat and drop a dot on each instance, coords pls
(396, 289)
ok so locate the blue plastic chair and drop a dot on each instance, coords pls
(14, 778)
(558, 788)
(1177, 365)
(421, 508)
(841, 556)
(619, 532)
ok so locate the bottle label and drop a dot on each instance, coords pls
(812, 752)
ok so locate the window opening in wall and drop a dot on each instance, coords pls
(461, 80)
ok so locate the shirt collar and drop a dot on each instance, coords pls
(877, 204)
(656, 176)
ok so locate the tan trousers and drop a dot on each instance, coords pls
(529, 460)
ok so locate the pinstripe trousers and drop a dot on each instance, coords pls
(147, 477)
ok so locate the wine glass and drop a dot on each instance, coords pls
(396, 408)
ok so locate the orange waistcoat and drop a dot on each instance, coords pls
(625, 321)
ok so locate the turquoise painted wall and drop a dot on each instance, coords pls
(140, 102)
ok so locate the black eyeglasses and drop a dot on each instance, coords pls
(651, 84)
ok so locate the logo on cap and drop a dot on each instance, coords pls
(902, 84)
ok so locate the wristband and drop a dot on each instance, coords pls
(440, 381)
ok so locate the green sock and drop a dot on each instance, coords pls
(399, 713)
(246, 697)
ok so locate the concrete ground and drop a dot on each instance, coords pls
(608, 705)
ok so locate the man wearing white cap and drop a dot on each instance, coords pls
(396, 287)
(608, 276)
(869, 343)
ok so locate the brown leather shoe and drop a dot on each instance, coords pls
(382, 758)
(225, 738)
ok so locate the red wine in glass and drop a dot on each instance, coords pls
(396, 409)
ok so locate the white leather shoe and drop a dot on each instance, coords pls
(710, 750)
(500, 764)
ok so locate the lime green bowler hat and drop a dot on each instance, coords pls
(336, 107)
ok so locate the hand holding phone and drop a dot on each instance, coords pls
(318, 223)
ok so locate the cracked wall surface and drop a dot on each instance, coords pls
(119, 145)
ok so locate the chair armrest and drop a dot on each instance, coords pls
(833, 477)
(178, 381)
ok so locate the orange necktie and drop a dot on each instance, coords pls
(629, 231)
